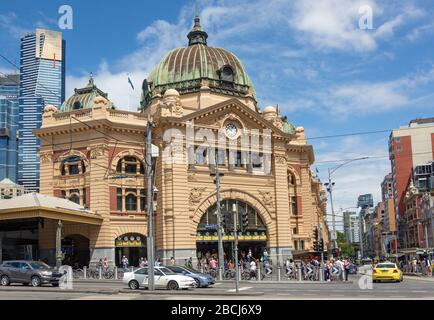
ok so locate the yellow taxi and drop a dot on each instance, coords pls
(386, 271)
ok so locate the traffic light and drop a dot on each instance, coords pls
(321, 245)
(315, 240)
(223, 220)
(227, 221)
(244, 221)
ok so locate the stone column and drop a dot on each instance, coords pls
(283, 245)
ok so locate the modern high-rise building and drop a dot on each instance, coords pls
(351, 227)
(9, 90)
(42, 82)
(365, 201)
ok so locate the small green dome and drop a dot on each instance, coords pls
(288, 127)
(188, 69)
(82, 98)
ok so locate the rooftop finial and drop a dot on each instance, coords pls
(197, 35)
(91, 81)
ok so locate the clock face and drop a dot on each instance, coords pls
(231, 130)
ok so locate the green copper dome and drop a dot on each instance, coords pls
(82, 98)
(288, 127)
(190, 68)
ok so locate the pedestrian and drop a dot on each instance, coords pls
(142, 262)
(189, 263)
(253, 268)
(230, 265)
(172, 261)
(327, 271)
(105, 264)
(125, 263)
(157, 262)
(99, 264)
(346, 268)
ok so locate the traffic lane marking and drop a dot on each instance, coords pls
(240, 289)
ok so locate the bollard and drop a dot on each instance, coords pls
(278, 274)
(132, 269)
(239, 273)
(85, 272)
(299, 274)
(116, 273)
(220, 275)
(321, 274)
(100, 273)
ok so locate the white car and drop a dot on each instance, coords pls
(164, 279)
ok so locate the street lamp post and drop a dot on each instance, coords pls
(218, 175)
(330, 184)
(150, 206)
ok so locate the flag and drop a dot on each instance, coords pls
(130, 82)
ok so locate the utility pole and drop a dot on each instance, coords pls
(330, 190)
(361, 234)
(217, 176)
(237, 281)
(150, 204)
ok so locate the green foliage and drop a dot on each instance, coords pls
(347, 249)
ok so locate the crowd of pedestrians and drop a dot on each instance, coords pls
(421, 265)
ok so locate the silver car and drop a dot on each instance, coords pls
(164, 279)
(35, 273)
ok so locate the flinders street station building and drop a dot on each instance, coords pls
(205, 118)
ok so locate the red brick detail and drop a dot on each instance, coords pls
(57, 193)
(299, 206)
(113, 200)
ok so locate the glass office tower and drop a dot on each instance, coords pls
(9, 90)
(42, 82)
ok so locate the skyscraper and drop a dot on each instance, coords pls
(351, 227)
(9, 90)
(42, 82)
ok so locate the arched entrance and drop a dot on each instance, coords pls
(76, 250)
(253, 238)
(132, 246)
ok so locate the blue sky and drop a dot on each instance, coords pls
(310, 57)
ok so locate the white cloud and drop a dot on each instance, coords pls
(10, 22)
(364, 98)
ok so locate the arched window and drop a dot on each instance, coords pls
(75, 198)
(131, 202)
(291, 178)
(246, 213)
(130, 165)
(72, 166)
(227, 74)
(76, 105)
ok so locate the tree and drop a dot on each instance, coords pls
(347, 249)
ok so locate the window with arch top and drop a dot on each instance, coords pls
(72, 166)
(227, 74)
(130, 165)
